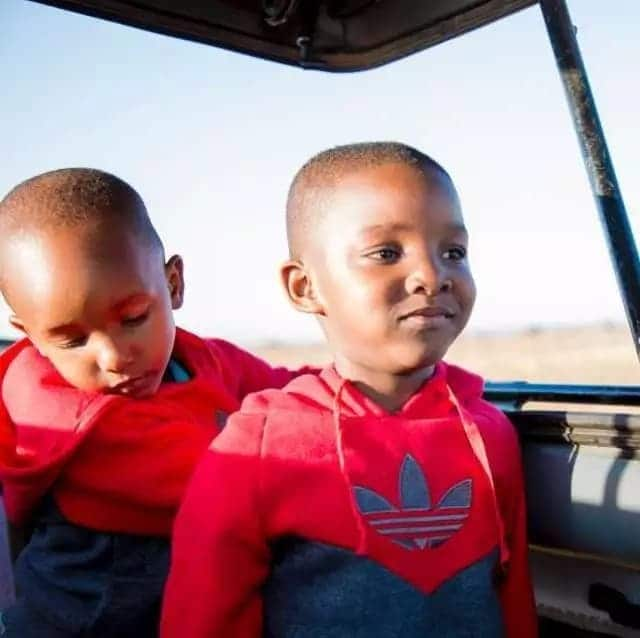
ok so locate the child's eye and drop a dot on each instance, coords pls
(385, 255)
(135, 320)
(458, 253)
(76, 342)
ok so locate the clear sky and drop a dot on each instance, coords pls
(211, 140)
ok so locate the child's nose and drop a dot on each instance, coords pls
(428, 278)
(112, 356)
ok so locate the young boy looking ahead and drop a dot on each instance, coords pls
(383, 497)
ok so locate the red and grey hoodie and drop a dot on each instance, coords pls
(111, 462)
(317, 513)
(101, 477)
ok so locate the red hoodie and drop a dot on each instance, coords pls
(114, 463)
(316, 510)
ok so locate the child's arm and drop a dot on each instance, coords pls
(245, 373)
(516, 592)
(219, 555)
(139, 460)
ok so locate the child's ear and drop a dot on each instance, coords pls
(174, 272)
(299, 287)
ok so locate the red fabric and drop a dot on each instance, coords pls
(286, 465)
(114, 463)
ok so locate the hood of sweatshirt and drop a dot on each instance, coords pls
(329, 391)
(45, 422)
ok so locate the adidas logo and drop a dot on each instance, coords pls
(415, 524)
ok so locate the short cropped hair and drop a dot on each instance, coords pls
(75, 197)
(325, 170)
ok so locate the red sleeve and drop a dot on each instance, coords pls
(503, 452)
(133, 469)
(245, 373)
(220, 556)
(516, 594)
(516, 591)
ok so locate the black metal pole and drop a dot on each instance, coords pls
(620, 241)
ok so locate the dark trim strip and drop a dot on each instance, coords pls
(597, 159)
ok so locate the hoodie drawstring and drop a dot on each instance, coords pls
(478, 447)
(360, 524)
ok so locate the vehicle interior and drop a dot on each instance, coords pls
(581, 444)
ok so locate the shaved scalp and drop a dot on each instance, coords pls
(72, 197)
(312, 185)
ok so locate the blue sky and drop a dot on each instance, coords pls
(211, 140)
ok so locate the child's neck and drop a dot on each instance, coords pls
(390, 391)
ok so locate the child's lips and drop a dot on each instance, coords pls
(429, 312)
(134, 386)
(430, 317)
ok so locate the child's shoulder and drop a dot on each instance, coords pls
(190, 342)
(22, 358)
(469, 389)
(307, 393)
(495, 427)
(498, 433)
(31, 388)
(222, 349)
(300, 410)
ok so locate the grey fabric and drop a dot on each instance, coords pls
(7, 593)
(73, 581)
(319, 591)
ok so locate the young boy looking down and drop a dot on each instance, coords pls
(105, 408)
(383, 497)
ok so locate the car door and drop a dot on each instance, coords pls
(582, 470)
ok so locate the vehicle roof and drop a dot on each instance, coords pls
(330, 35)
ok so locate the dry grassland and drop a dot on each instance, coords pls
(599, 354)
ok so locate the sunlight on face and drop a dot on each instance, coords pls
(391, 270)
(98, 308)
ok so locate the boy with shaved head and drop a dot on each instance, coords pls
(106, 406)
(383, 497)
